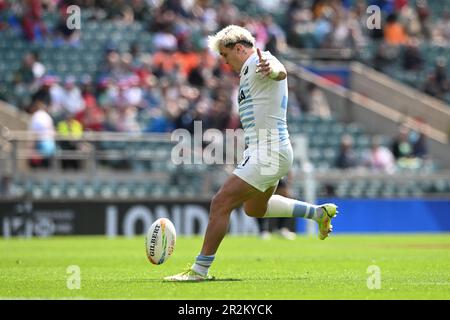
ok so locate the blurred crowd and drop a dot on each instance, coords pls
(410, 28)
(180, 80)
(408, 150)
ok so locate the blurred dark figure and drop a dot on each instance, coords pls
(401, 146)
(219, 115)
(437, 84)
(43, 93)
(431, 86)
(384, 56)
(6, 186)
(347, 157)
(26, 78)
(30, 70)
(412, 58)
(420, 148)
(277, 39)
(441, 75)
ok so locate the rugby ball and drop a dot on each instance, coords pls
(160, 241)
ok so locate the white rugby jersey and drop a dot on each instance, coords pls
(262, 104)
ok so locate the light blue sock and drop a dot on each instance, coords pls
(202, 264)
(307, 210)
(282, 207)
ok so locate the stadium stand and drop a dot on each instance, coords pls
(141, 69)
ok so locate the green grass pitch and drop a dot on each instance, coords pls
(411, 267)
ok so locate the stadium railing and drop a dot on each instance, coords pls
(163, 177)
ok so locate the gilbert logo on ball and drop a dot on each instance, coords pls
(160, 241)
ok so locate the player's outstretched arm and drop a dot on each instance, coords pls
(272, 69)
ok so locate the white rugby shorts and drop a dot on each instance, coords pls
(262, 169)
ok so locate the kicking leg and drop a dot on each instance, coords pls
(233, 193)
(280, 206)
(266, 205)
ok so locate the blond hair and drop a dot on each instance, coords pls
(229, 36)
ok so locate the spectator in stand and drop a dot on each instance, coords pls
(137, 56)
(92, 117)
(358, 26)
(347, 157)
(72, 102)
(318, 103)
(142, 10)
(32, 69)
(257, 29)
(276, 42)
(400, 4)
(27, 78)
(43, 93)
(163, 60)
(126, 16)
(386, 6)
(218, 115)
(160, 121)
(441, 76)
(394, 33)
(423, 12)
(383, 57)
(409, 19)
(228, 13)
(412, 58)
(3, 19)
(420, 148)
(401, 146)
(186, 58)
(133, 91)
(52, 94)
(345, 31)
(298, 19)
(6, 186)
(323, 27)
(431, 86)
(379, 158)
(151, 98)
(441, 30)
(112, 63)
(127, 119)
(107, 92)
(437, 84)
(111, 119)
(64, 34)
(42, 125)
(33, 26)
(70, 128)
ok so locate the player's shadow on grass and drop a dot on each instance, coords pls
(277, 279)
(215, 280)
(162, 281)
(219, 280)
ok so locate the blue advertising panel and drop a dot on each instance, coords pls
(388, 215)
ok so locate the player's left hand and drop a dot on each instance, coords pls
(263, 67)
